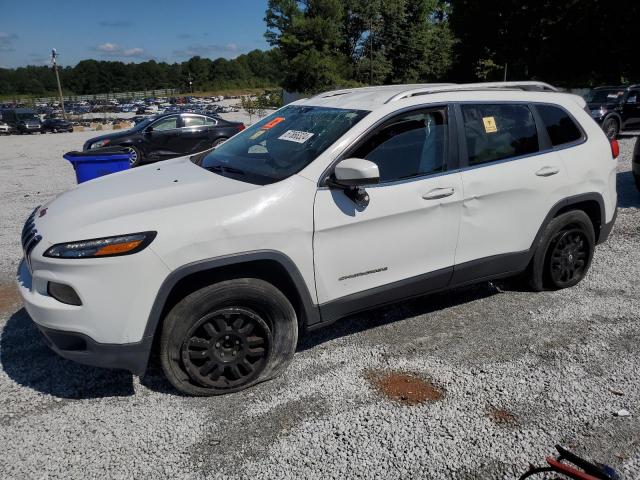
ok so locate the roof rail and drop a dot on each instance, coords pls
(334, 93)
(527, 86)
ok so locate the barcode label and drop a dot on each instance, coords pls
(295, 136)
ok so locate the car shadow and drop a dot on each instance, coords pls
(27, 360)
(628, 194)
(397, 312)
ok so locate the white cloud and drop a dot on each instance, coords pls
(6, 41)
(133, 52)
(114, 50)
(231, 49)
(108, 47)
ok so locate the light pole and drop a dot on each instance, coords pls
(54, 64)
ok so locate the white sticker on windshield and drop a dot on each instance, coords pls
(295, 136)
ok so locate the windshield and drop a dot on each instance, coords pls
(605, 95)
(281, 144)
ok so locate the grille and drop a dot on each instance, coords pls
(30, 237)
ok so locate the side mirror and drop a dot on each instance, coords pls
(355, 172)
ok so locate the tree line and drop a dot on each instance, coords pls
(321, 44)
(255, 69)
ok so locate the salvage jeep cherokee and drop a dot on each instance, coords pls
(329, 206)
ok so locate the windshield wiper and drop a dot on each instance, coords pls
(225, 169)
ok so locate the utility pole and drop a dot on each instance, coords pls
(505, 71)
(190, 83)
(54, 64)
(370, 51)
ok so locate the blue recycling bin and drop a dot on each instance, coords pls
(95, 163)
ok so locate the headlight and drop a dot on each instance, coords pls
(99, 144)
(102, 247)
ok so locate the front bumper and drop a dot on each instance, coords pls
(108, 329)
(83, 349)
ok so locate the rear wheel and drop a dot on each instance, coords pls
(611, 128)
(218, 141)
(228, 336)
(564, 253)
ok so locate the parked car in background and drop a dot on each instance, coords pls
(335, 204)
(168, 136)
(4, 129)
(635, 165)
(56, 125)
(22, 120)
(616, 109)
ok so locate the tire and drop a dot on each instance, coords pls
(218, 141)
(136, 156)
(611, 128)
(564, 253)
(227, 337)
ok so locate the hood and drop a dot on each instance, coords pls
(598, 105)
(107, 205)
(110, 136)
(31, 121)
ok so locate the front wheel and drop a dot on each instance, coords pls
(228, 336)
(135, 156)
(564, 252)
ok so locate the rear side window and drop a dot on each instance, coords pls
(498, 132)
(560, 127)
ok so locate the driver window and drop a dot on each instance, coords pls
(168, 123)
(633, 97)
(410, 145)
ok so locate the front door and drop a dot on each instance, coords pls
(164, 138)
(631, 111)
(403, 242)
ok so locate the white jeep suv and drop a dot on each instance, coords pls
(331, 205)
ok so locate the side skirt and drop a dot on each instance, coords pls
(490, 268)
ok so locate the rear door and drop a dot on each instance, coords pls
(403, 241)
(511, 179)
(194, 133)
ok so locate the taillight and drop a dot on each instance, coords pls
(615, 148)
(240, 127)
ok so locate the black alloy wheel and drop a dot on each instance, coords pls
(227, 348)
(611, 128)
(569, 257)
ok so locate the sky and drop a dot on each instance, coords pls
(129, 31)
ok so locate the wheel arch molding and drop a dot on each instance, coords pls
(591, 203)
(269, 265)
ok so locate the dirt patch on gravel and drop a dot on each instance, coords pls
(502, 416)
(405, 388)
(9, 297)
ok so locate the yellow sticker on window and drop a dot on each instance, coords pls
(490, 124)
(257, 134)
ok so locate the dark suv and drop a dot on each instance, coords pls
(615, 108)
(168, 136)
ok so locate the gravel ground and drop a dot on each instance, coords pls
(517, 372)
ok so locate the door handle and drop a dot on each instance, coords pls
(547, 171)
(437, 193)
